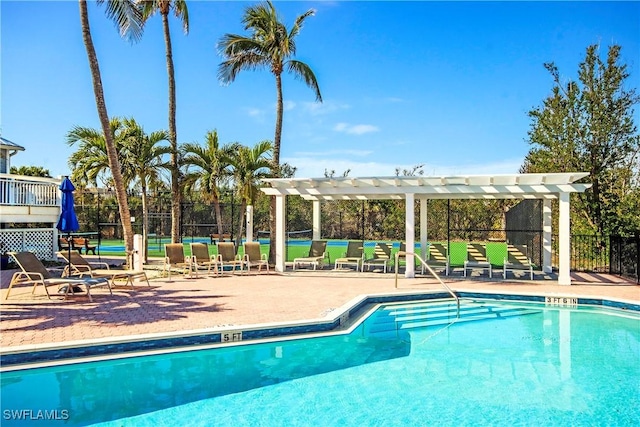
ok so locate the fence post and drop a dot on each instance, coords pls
(638, 257)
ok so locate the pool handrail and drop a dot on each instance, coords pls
(424, 264)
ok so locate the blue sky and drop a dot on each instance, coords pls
(444, 84)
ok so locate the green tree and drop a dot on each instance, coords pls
(587, 125)
(179, 7)
(249, 166)
(91, 160)
(270, 45)
(141, 158)
(207, 170)
(128, 19)
(30, 171)
(143, 163)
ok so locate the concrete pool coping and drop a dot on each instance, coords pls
(340, 321)
(286, 304)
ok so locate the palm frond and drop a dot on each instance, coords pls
(128, 17)
(304, 73)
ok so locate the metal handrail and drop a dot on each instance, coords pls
(424, 264)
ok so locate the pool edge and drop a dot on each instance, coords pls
(337, 320)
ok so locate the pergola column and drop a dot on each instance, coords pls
(280, 233)
(410, 232)
(423, 229)
(546, 236)
(564, 241)
(316, 220)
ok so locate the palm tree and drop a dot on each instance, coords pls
(179, 7)
(129, 21)
(91, 160)
(207, 169)
(269, 45)
(141, 158)
(250, 165)
(143, 162)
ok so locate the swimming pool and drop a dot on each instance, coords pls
(412, 363)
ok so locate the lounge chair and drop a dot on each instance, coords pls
(402, 258)
(227, 257)
(35, 273)
(457, 254)
(174, 259)
(381, 257)
(496, 254)
(438, 257)
(77, 265)
(254, 258)
(201, 259)
(477, 258)
(354, 256)
(517, 259)
(316, 255)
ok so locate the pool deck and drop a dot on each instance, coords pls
(184, 304)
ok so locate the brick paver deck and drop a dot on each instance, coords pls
(188, 304)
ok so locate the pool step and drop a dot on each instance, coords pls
(423, 315)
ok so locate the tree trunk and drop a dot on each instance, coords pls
(173, 137)
(112, 154)
(276, 169)
(145, 222)
(218, 210)
(243, 208)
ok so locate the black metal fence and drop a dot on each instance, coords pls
(624, 256)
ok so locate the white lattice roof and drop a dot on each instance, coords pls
(520, 186)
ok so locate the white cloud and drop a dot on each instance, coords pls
(355, 129)
(325, 107)
(256, 113)
(288, 105)
(334, 153)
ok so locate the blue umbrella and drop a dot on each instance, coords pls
(68, 221)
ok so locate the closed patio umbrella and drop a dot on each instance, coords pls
(68, 221)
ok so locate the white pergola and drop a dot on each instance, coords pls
(545, 186)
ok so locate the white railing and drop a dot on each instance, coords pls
(19, 190)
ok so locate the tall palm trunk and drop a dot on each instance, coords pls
(243, 209)
(218, 210)
(276, 170)
(145, 221)
(112, 154)
(173, 136)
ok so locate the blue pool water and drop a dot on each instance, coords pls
(499, 364)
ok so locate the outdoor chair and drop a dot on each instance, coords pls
(438, 257)
(35, 273)
(354, 256)
(77, 265)
(477, 258)
(174, 259)
(254, 258)
(402, 257)
(227, 257)
(80, 243)
(201, 259)
(457, 254)
(517, 259)
(316, 255)
(496, 254)
(381, 257)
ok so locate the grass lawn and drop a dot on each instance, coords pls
(295, 248)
